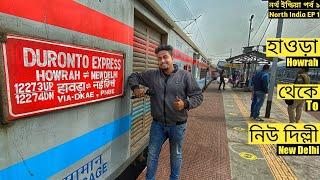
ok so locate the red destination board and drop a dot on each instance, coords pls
(44, 76)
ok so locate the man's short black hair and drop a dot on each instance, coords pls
(164, 47)
(265, 67)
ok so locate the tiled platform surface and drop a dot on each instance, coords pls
(217, 136)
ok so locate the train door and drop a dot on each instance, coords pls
(146, 40)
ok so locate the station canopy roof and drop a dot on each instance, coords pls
(251, 57)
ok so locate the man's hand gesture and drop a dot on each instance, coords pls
(178, 104)
(138, 92)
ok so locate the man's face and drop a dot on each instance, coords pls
(164, 59)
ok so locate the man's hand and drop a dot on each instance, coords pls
(178, 104)
(138, 92)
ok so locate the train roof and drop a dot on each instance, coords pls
(250, 57)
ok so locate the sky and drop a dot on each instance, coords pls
(224, 24)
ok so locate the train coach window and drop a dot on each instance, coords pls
(187, 67)
(203, 73)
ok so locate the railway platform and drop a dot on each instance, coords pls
(216, 146)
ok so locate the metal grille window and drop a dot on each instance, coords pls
(146, 40)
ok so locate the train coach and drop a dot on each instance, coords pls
(66, 110)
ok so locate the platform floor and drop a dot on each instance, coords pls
(216, 143)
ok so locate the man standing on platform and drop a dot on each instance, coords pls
(295, 109)
(174, 93)
(260, 88)
(222, 81)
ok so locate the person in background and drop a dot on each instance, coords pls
(222, 76)
(251, 81)
(260, 88)
(295, 109)
(234, 78)
(238, 77)
(175, 92)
